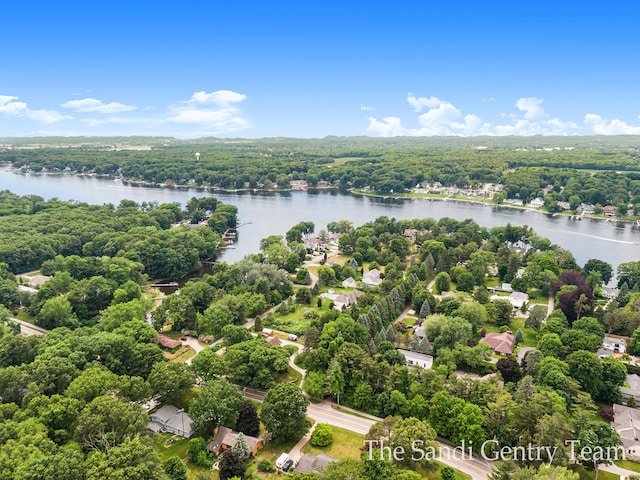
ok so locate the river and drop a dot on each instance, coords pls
(265, 214)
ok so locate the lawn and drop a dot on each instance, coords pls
(587, 475)
(291, 376)
(272, 450)
(346, 444)
(177, 447)
(433, 472)
(629, 465)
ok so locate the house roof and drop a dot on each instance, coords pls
(274, 341)
(626, 422)
(168, 342)
(415, 357)
(313, 463)
(614, 341)
(502, 343)
(216, 444)
(171, 416)
(225, 437)
(633, 389)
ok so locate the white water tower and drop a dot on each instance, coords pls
(197, 156)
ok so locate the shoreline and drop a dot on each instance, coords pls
(604, 218)
(143, 183)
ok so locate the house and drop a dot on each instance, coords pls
(266, 332)
(500, 343)
(224, 438)
(349, 283)
(586, 208)
(609, 210)
(275, 341)
(415, 359)
(633, 390)
(564, 205)
(610, 292)
(345, 300)
(300, 185)
(372, 278)
(167, 342)
(518, 299)
(626, 422)
(171, 419)
(309, 463)
(536, 203)
(420, 332)
(611, 345)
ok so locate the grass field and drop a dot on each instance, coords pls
(345, 444)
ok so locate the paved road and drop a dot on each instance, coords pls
(325, 412)
(27, 328)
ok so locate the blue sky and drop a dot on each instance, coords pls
(310, 69)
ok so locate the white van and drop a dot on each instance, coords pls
(282, 459)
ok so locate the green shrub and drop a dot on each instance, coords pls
(322, 435)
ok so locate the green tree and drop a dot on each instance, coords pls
(171, 380)
(410, 430)
(218, 404)
(175, 469)
(284, 411)
(598, 435)
(107, 421)
(442, 283)
(208, 365)
(56, 312)
(336, 382)
(132, 459)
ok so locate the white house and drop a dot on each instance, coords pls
(372, 278)
(349, 283)
(417, 359)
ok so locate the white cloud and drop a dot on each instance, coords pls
(387, 127)
(532, 107)
(364, 108)
(220, 97)
(12, 108)
(443, 118)
(489, 100)
(600, 126)
(215, 112)
(97, 106)
(419, 103)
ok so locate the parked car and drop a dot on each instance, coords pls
(287, 465)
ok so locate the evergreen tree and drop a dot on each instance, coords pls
(241, 447)
(425, 309)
